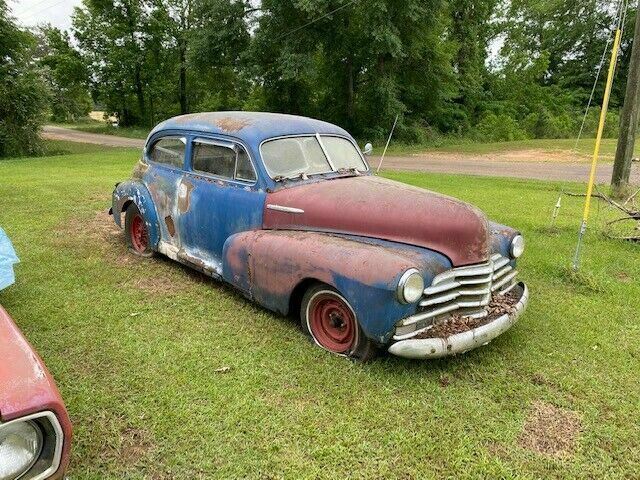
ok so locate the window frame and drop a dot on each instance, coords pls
(182, 138)
(318, 136)
(230, 144)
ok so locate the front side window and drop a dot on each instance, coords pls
(169, 151)
(295, 156)
(226, 161)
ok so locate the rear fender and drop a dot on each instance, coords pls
(268, 266)
(135, 191)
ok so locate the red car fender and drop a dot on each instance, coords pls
(27, 387)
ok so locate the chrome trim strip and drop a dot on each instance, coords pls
(504, 281)
(57, 453)
(281, 208)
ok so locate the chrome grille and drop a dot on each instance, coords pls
(466, 291)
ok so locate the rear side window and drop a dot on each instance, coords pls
(231, 162)
(169, 151)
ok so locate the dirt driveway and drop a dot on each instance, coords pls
(528, 164)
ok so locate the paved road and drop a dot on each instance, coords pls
(439, 162)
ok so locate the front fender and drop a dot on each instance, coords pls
(268, 265)
(136, 192)
(501, 237)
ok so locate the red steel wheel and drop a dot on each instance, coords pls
(332, 324)
(137, 232)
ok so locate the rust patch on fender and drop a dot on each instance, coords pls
(184, 196)
(231, 125)
(171, 227)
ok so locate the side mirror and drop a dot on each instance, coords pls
(368, 148)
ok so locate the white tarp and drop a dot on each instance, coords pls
(8, 259)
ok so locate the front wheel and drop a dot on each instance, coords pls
(331, 322)
(137, 232)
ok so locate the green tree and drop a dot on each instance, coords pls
(471, 31)
(113, 35)
(23, 95)
(355, 63)
(67, 75)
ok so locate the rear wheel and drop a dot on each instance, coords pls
(331, 322)
(137, 232)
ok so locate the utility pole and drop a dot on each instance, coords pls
(629, 116)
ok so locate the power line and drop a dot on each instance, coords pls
(317, 19)
(31, 7)
(621, 15)
(33, 14)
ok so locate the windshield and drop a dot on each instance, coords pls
(297, 156)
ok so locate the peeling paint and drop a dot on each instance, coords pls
(232, 125)
(170, 225)
(184, 196)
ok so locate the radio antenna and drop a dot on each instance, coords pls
(387, 145)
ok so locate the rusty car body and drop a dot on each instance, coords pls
(286, 210)
(35, 430)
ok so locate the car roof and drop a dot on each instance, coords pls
(252, 127)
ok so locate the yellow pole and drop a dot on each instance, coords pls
(596, 152)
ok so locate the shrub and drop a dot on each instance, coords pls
(498, 128)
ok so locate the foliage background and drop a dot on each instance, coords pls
(488, 70)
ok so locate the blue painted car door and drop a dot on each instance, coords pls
(220, 197)
(166, 157)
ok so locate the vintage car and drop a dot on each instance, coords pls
(35, 430)
(287, 210)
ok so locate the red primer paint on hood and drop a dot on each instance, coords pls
(375, 207)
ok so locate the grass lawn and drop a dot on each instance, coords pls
(169, 375)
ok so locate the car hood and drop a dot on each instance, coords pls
(375, 207)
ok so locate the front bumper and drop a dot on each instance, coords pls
(462, 342)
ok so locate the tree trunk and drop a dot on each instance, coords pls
(184, 107)
(140, 95)
(350, 92)
(629, 117)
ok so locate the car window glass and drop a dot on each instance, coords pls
(292, 156)
(343, 153)
(244, 169)
(169, 151)
(214, 159)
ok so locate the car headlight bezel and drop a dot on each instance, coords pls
(49, 458)
(410, 287)
(517, 246)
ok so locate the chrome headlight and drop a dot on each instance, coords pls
(517, 246)
(31, 447)
(410, 287)
(20, 447)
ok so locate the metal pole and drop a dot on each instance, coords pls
(596, 152)
(387, 145)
